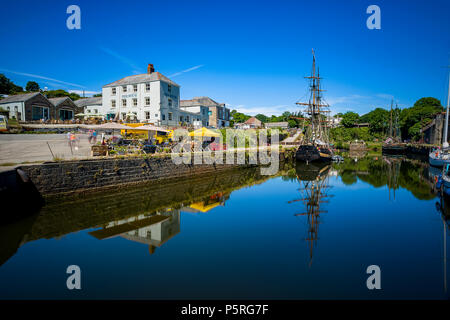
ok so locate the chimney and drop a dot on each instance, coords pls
(150, 69)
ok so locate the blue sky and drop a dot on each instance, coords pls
(252, 55)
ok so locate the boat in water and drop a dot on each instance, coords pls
(315, 145)
(441, 156)
(393, 144)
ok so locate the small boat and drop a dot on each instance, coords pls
(440, 157)
(337, 158)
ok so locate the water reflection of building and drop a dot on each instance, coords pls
(314, 190)
(208, 203)
(153, 230)
(357, 154)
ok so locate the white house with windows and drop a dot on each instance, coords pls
(149, 97)
(90, 106)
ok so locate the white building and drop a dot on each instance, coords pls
(149, 97)
(90, 106)
(215, 114)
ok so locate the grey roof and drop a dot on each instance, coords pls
(19, 97)
(140, 78)
(203, 101)
(59, 100)
(276, 124)
(94, 101)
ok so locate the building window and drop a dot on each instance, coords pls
(170, 115)
(88, 111)
(113, 103)
(156, 115)
(147, 115)
(170, 102)
(135, 87)
(95, 111)
(124, 102)
(181, 118)
(163, 116)
(147, 87)
(113, 91)
(124, 88)
(134, 102)
(169, 88)
(187, 118)
(147, 101)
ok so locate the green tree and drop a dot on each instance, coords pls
(349, 119)
(378, 120)
(32, 86)
(8, 87)
(421, 113)
(62, 93)
(262, 118)
(239, 117)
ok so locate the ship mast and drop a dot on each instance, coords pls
(445, 141)
(313, 195)
(314, 107)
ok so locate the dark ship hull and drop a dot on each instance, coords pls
(394, 148)
(312, 153)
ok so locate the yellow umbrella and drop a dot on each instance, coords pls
(204, 132)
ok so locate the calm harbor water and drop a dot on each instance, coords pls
(308, 233)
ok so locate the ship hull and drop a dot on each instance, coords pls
(437, 160)
(394, 149)
(311, 153)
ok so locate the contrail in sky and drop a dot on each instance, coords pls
(123, 59)
(42, 77)
(187, 70)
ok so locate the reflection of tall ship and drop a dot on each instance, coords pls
(314, 187)
(393, 174)
(315, 146)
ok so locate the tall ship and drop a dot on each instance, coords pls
(315, 145)
(393, 144)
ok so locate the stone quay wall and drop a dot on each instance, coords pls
(76, 176)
